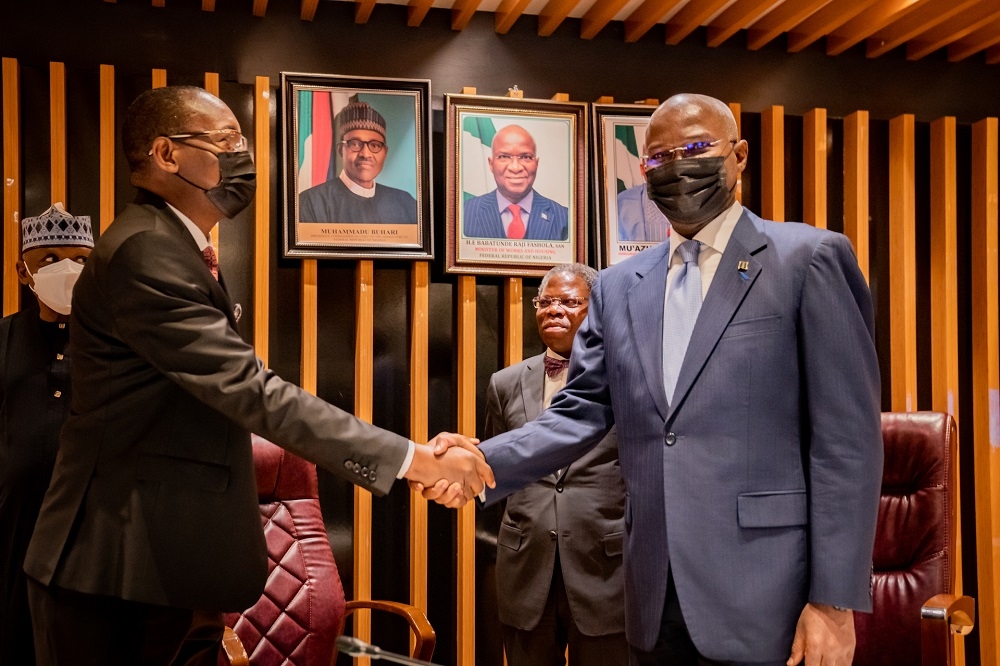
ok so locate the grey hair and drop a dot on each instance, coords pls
(588, 274)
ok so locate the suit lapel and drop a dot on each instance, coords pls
(491, 216)
(645, 298)
(533, 387)
(540, 224)
(729, 287)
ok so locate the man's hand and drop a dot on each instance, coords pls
(823, 635)
(450, 478)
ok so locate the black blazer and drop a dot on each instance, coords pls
(154, 498)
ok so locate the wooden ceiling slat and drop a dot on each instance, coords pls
(781, 19)
(461, 13)
(953, 30)
(867, 22)
(553, 14)
(209, 5)
(917, 22)
(507, 14)
(646, 16)
(825, 21)
(736, 17)
(984, 38)
(691, 15)
(308, 11)
(416, 10)
(993, 55)
(598, 16)
(259, 8)
(363, 10)
(159, 3)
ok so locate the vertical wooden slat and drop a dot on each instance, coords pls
(57, 131)
(11, 185)
(736, 109)
(986, 382)
(159, 78)
(856, 185)
(772, 177)
(513, 321)
(814, 168)
(466, 569)
(212, 86)
(902, 264)
(419, 336)
(310, 324)
(363, 386)
(262, 215)
(944, 305)
(106, 148)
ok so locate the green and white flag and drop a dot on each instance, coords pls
(477, 146)
(627, 157)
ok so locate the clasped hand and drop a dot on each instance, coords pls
(450, 470)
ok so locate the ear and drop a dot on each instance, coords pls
(162, 154)
(742, 151)
(22, 273)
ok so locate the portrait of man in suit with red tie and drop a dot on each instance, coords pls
(514, 209)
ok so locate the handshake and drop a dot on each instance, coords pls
(450, 470)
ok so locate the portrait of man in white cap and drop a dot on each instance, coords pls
(354, 196)
(34, 402)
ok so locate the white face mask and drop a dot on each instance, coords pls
(54, 284)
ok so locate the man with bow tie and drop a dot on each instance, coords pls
(559, 549)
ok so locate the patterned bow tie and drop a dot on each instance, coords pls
(553, 365)
(211, 261)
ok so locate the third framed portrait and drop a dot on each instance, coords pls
(516, 184)
(627, 220)
(357, 167)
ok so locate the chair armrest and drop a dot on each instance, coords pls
(233, 648)
(942, 618)
(423, 632)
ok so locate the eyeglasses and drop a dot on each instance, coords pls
(693, 149)
(355, 145)
(504, 158)
(568, 303)
(229, 139)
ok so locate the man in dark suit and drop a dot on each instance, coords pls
(514, 209)
(150, 526)
(559, 549)
(738, 363)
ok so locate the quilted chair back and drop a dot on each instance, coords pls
(915, 537)
(297, 619)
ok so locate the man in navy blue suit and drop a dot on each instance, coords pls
(514, 209)
(737, 361)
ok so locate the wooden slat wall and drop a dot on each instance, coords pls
(364, 369)
(57, 131)
(11, 185)
(212, 86)
(814, 168)
(944, 305)
(856, 185)
(513, 321)
(902, 264)
(772, 163)
(419, 341)
(107, 146)
(986, 382)
(262, 215)
(466, 569)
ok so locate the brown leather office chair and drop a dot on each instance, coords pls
(298, 618)
(915, 618)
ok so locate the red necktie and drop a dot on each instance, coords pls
(516, 228)
(211, 261)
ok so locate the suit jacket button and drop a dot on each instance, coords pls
(552, 534)
(357, 468)
(371, 476)
(559, 487)
(347, 465)
(670, 439)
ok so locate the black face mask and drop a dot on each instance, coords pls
(237, 183)
(690, 190)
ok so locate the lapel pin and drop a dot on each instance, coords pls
(743, 267)
(237, 311)
(545, 216)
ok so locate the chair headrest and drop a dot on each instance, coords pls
(282, 475)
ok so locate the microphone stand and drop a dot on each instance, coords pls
(355, 647)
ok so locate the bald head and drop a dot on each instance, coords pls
(514, 162)
(691, 108)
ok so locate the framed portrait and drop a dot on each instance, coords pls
(627, 220)
(516, 184)
(356, 177)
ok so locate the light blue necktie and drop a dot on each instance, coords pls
(680, 313)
